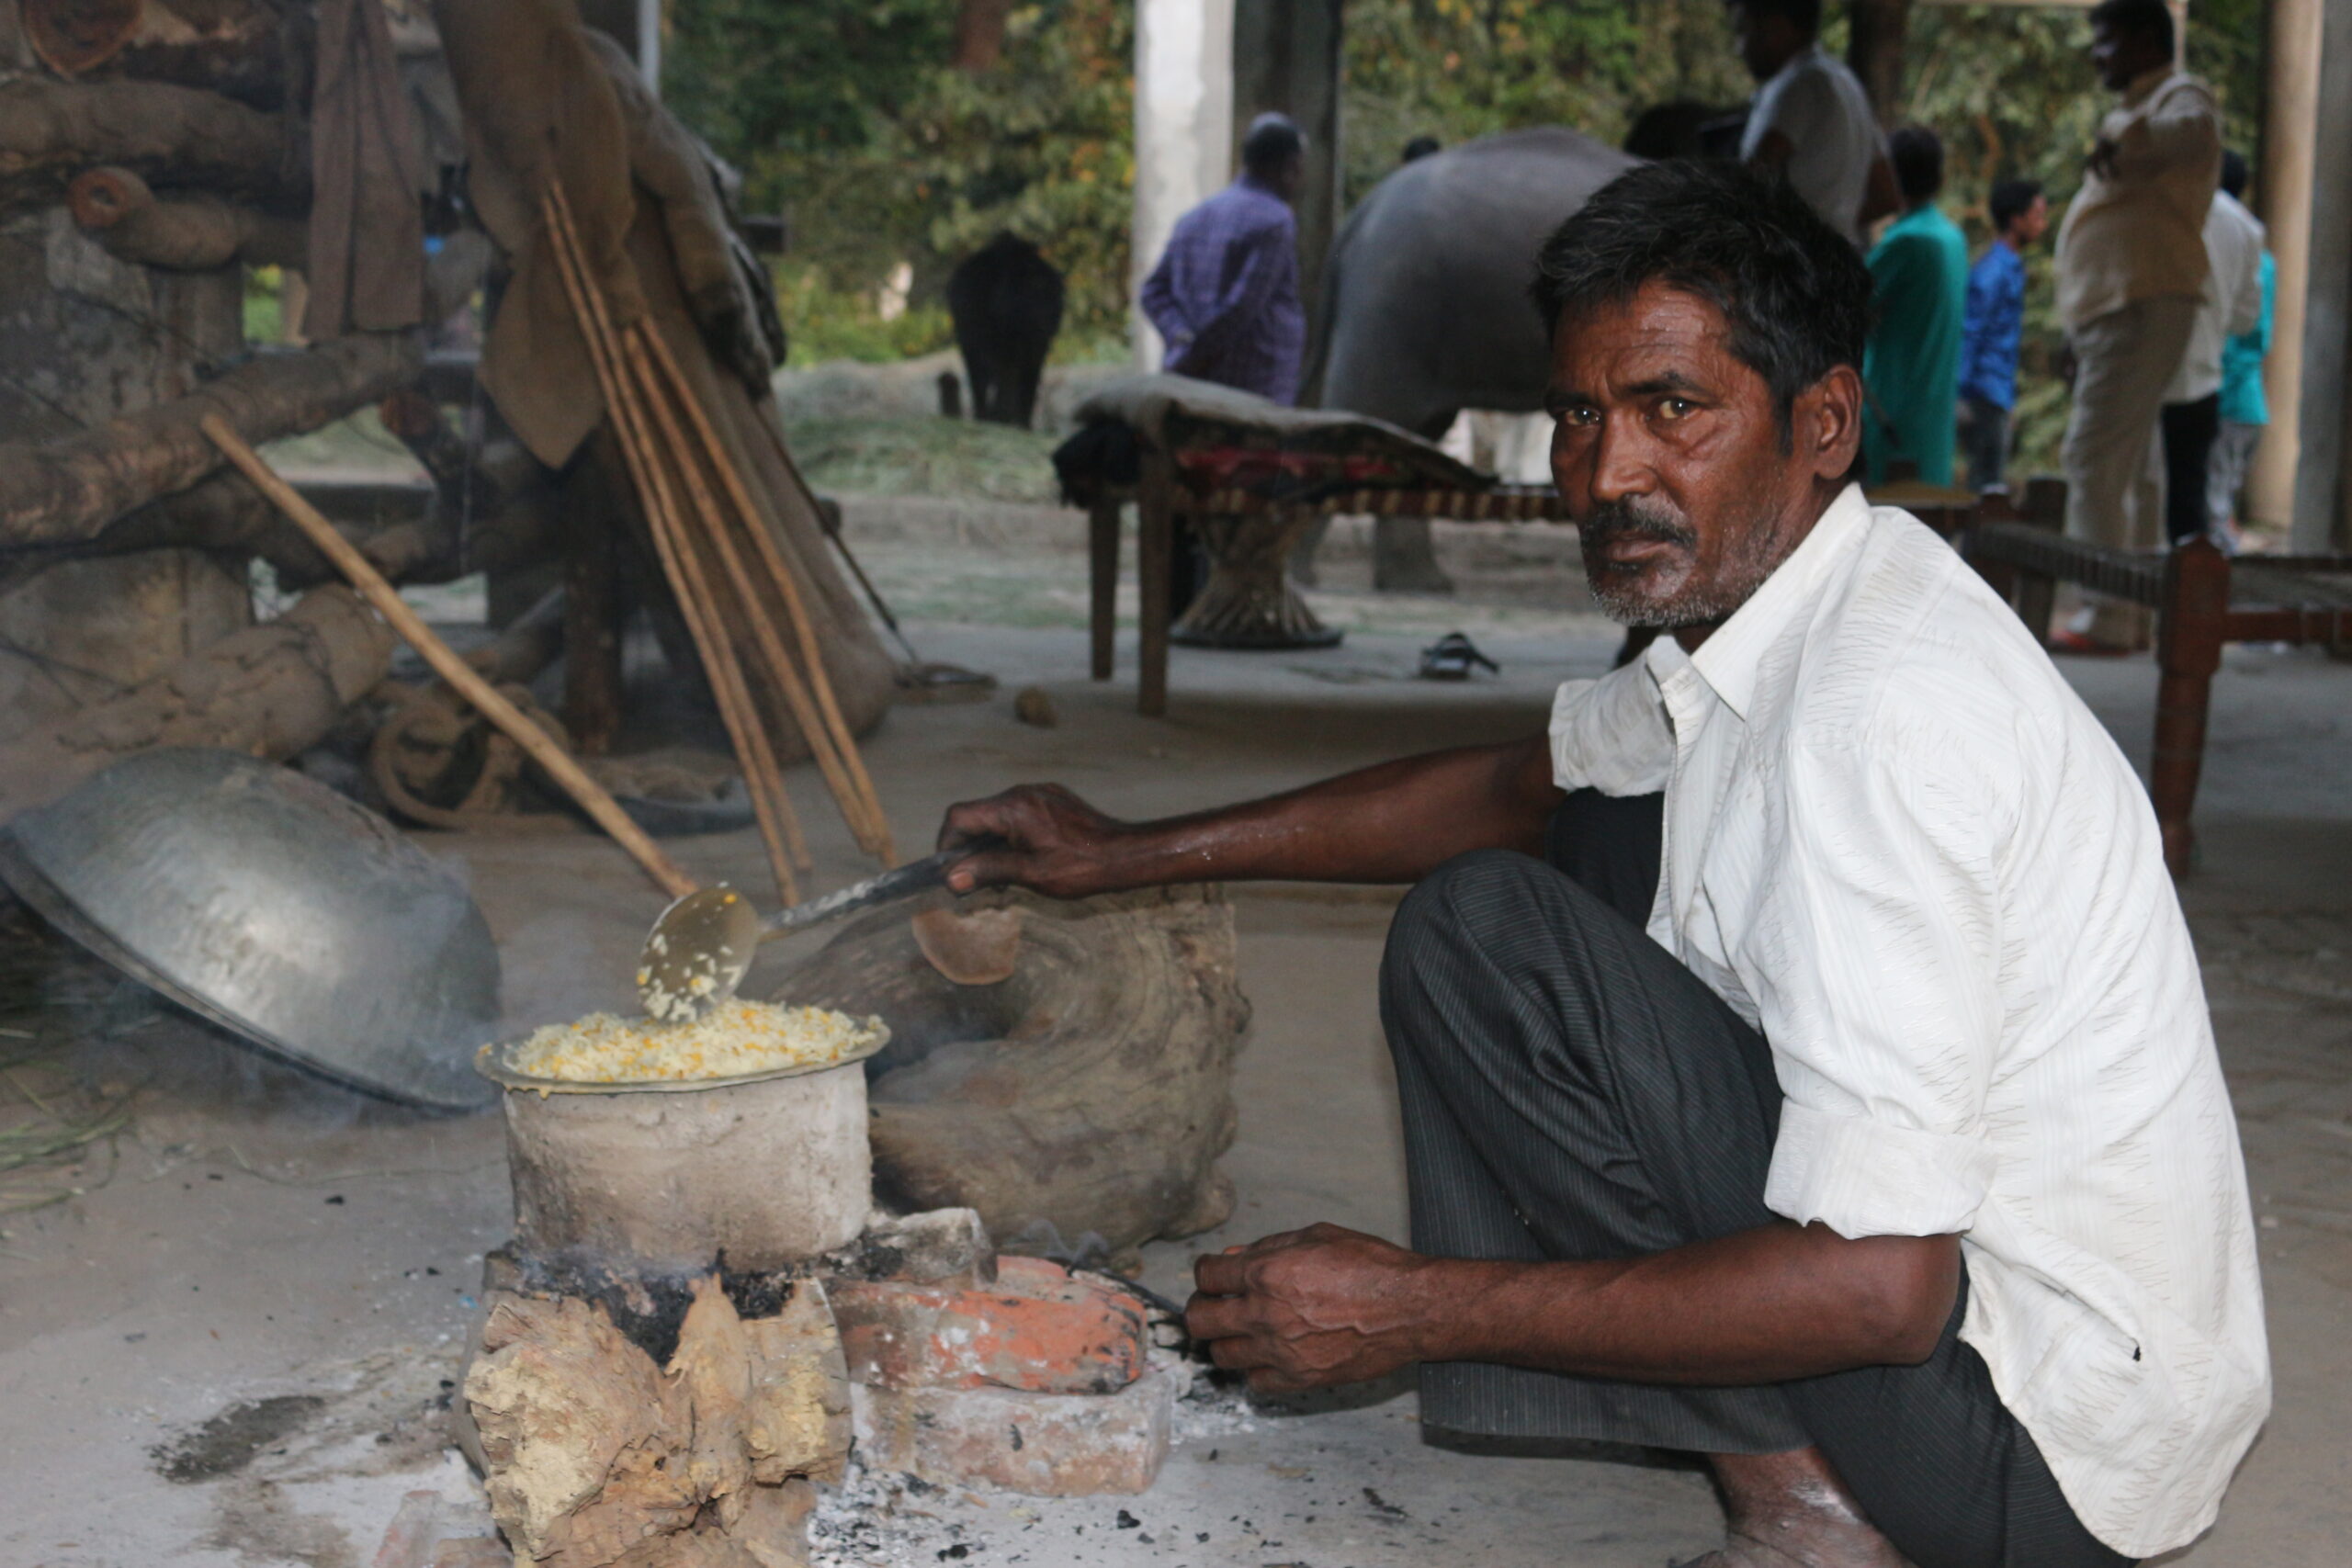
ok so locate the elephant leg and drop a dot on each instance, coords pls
(1022, 397)
(1403, 560)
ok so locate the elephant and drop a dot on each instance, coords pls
(1424, 309)
(1006, 301)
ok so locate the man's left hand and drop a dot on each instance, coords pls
(1311, 1308)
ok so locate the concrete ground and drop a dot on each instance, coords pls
(229, 1340)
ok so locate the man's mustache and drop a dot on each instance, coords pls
(1614, 520)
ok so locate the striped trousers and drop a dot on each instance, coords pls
(1570, 1090)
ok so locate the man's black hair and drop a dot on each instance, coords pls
(1793, 289)
(2234, 173)
(1273, 140)
(1420, 147)
(2010, 201)
(1917, 155)
(2150, 19)
(1805, 15)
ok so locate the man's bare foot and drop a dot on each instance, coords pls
(1790, 1511)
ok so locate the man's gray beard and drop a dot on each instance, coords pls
(1745, 571)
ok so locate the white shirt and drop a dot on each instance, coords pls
(1899, 845)
(1833, 136)
(2231, 301)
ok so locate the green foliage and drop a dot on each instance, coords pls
(845, 114)
(1460, 69)
(264, 307)
(829, 323)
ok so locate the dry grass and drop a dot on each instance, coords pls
(53, 1123)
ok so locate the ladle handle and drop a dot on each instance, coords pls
(915, 876)
(592, 796)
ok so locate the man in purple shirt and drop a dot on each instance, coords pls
(1224, 295)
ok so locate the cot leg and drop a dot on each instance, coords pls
(1155, 552)
(1103, 571)
(2036, 597)
(2189, 650)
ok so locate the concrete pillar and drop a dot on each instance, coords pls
(1184, 130)
(2327, 308)
(1286, 60)
(2283, 199)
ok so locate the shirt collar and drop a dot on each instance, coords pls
(1728, 659)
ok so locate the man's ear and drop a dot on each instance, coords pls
(1827, 423)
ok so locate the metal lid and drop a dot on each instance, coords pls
(289, 915)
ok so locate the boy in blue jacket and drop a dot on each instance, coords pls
(1993, 321)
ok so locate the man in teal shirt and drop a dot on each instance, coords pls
(1911, 367)
(2245, 409)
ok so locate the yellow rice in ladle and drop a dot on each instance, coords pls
(736, 1038)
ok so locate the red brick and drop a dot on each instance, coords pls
(1039, 1330)
(1045, 1445)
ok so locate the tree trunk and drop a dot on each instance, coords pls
(979, 34)
(1875, 52)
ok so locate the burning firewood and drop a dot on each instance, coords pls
(596, 1456)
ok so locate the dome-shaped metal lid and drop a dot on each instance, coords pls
(276, 907)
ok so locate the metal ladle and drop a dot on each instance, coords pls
(701, 948)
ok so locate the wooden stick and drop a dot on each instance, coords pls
(762, 778)
(732, 572)
(445, 663)
(763, 774)
(787, 587)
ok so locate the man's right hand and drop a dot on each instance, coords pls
(1053, 843)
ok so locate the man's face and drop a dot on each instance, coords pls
(2033, 223)
(2119, 56)
(1669, 456)
(1765, 43)
(1289, 178)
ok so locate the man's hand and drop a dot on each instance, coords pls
(1308, 1309)
(1053, 843)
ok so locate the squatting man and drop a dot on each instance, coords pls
(1801, 1057)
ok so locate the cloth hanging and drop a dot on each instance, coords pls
(367, 256)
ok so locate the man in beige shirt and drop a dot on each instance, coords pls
(2131, 266)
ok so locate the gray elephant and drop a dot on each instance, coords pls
(1425, 309)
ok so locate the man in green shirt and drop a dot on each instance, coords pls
(1919, 296)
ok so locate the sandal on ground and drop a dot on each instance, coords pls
(1450, 657)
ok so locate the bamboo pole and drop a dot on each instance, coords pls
(763, 775)
(468, 682)
(822, 745)
(789, 588)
